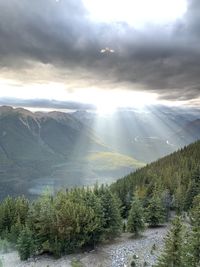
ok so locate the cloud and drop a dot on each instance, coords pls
(44, 39)
(45, 103)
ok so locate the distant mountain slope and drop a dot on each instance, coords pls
(173, 173)
(28, 136)
(20, 138)
(34, 145)
(130, 133)
(189, 133)
(146, 134)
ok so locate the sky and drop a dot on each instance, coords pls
(50, 52)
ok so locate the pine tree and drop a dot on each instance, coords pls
(112, 221)
(193, 189)
(21, 209)
(167, 202)
(172, 254)
(136, 219)
(25, 244)
(179, 199)
(7, 214)
(93, 202)
(41, 221)
(127, 206)
(12, 211)
(87, 197)
(155, 213)
(192, 244)
(15, 231)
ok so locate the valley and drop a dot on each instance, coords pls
(81, 148)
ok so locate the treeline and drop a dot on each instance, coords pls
(176, 178)
(73, 220)
(60, 224)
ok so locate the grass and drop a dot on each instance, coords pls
(76, 263)
(112, 161)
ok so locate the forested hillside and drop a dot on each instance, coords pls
(176, 176)
(80, 218)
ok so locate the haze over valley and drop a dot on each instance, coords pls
(58, 149)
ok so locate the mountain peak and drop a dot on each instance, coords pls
(4, 109)
(24, 112)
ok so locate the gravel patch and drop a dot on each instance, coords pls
(145, 249)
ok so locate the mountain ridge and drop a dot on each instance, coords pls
(35, 145)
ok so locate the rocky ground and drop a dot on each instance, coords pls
(144, 250)
(116, 254)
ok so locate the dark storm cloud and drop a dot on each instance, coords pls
(162, 59)
(41, 30)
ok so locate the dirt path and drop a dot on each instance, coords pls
(116, 254)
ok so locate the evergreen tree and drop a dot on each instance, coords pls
(136, 219)
(25, 244)
(179, 199)
(21, 209)
(13, 212)
(193, 189)
(112, 221)
(127, 206)
(167, 202)
(41, 220)
(195, 212)
(15, 231)
(92, 201)
(155, 213)
(74, 226)
(7, 214)
(172, 254)
(192, 244)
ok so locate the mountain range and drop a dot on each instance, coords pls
(59, 149)
(42, 145)
(146, 134)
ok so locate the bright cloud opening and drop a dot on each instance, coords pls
(136, 12)
(107, 102)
